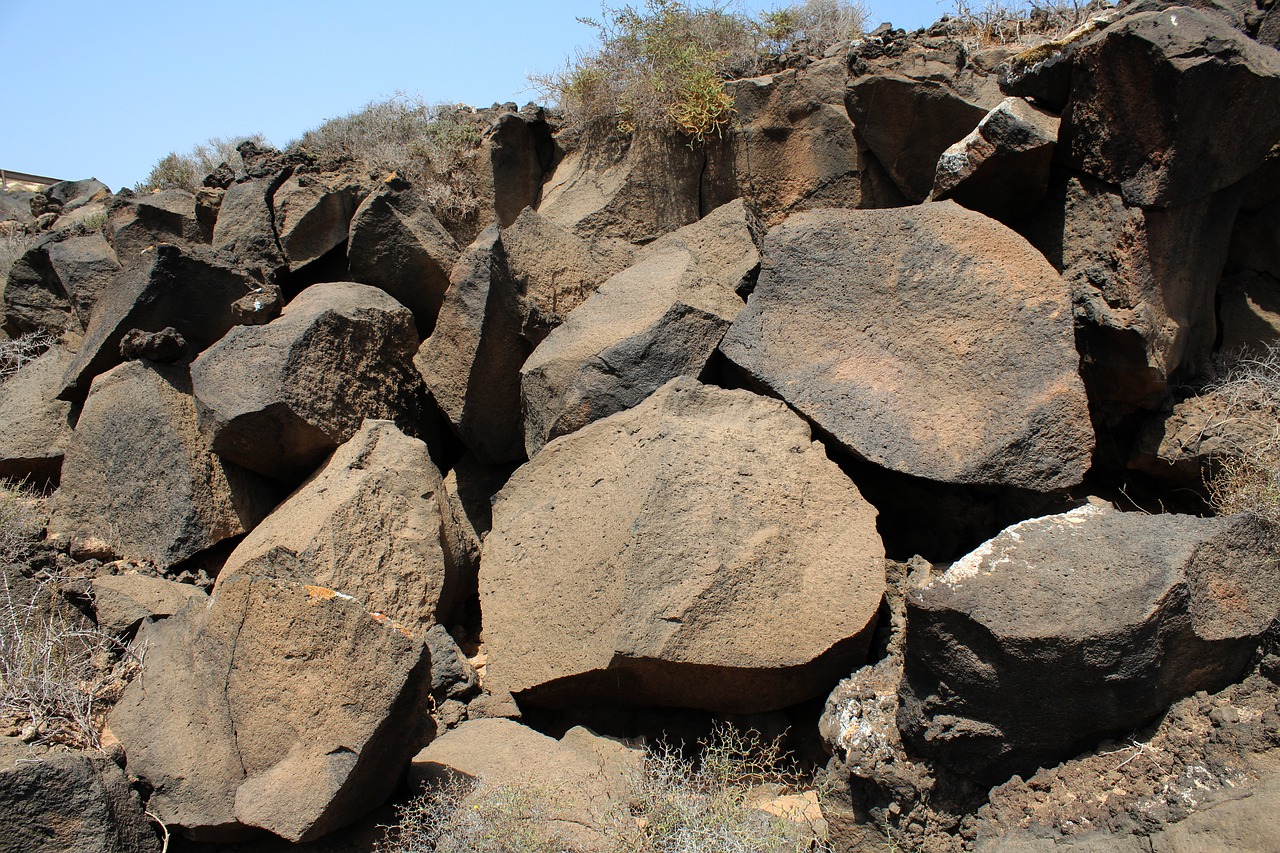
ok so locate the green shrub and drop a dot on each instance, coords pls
(434, 146)
(188, 171)
(1247, 475)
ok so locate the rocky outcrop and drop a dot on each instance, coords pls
(696, 551)
(312, 214)
(396, 244)
(137, 222)
(278, 398)
(35, 426)
(137, 460)
(278, 705)
(1066, 628)
(52, 802)
(879, 326)
(366, 524)
(660, 318)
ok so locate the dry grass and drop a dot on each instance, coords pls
(1247, 479)
(188, 171)
(818, 24)
(434, 146)
(16, 353)
(1011, 22)
(58, 672)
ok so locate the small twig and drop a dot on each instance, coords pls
(165, 847)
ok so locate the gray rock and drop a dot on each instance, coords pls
(1069, 627)
(139, 477)
(246, 226)
(662, 317)
(35, 426)
(278, 398)
(166, 345)
(277, 705)
(452, 675)
(140, 221)
(697, 551)
(929, 340)
(313, 214)
(121, 602)
(35, 299)
(85, 266)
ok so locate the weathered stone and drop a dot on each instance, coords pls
(35, 426)
(166, 345)
(258, 307)
(367, 524)
(137, 222)
(929, 340)
(185, 288)
(74, 194)
(35, 299)
(313, 215)
(1142, 282)
(85, 266)
(452, 675)
(246, 226)
(697, 551)
(466, 508)
(278, 398)
(1249, 311)
(519, 153)
(662, 317)
(1147, 113)
(1065, 628)
(54, 802)
(121, 602)
(580, 778)
(396, 244)
(276, 705)
(139, 476)
(793, 144)
(1002, 167)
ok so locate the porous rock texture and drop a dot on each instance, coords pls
(35, 426)
(660, 318)
(138, 460)
(278, 398)
(366, 524)
(929, 340)
(277, 705)
(696, 551)
(121, 602)
(1069, 627)
(54, 802)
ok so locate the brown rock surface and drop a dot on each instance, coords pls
(698, 550)
(929, 340)
(277, 705)
(121, 602)
(660, 318)
(139, 221)
(312, 214)
(367, 524)
(278, 398)
(139, 476)
(35, 426)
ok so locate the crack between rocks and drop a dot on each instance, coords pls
(226, 684)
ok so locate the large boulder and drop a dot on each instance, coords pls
(662, 317)
(35, 299)
(122, 602)
(698, 551)
(54, 802)
(1147, 111)
(792, 143)
(313, 214)
(136, 222)
(139, 477)
(85, 265)
(1002, 167)
(516, 152)
(366, 524)
(35, 426)
(1142, 283)
(580, 779)
(280, 397)
(398, 245)
(1069, 627)
(188, 289)
(929, 340)
(246, 225)
(277, 705)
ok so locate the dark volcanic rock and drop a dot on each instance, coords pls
(929, 340)
(35, 426)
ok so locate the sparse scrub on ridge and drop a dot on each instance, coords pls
(663, 64)
(992, 22)
(434, 146)
(1247, 477)
(58, 672)
(676, 804)
(187, 171)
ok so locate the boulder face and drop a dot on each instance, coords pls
(122, 602)
(61, 801)
(139, 476)
(1068, 627)
(366, 524)
(85, 266)
(35, 426)
(137, 222)
(278, 398)
(277, 705)
(397, 245)
(1179, 139)
(35, 300)
(660, 318)
(697, 551)
(312, 215)
(929, 340)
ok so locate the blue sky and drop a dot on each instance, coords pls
(105, 88)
